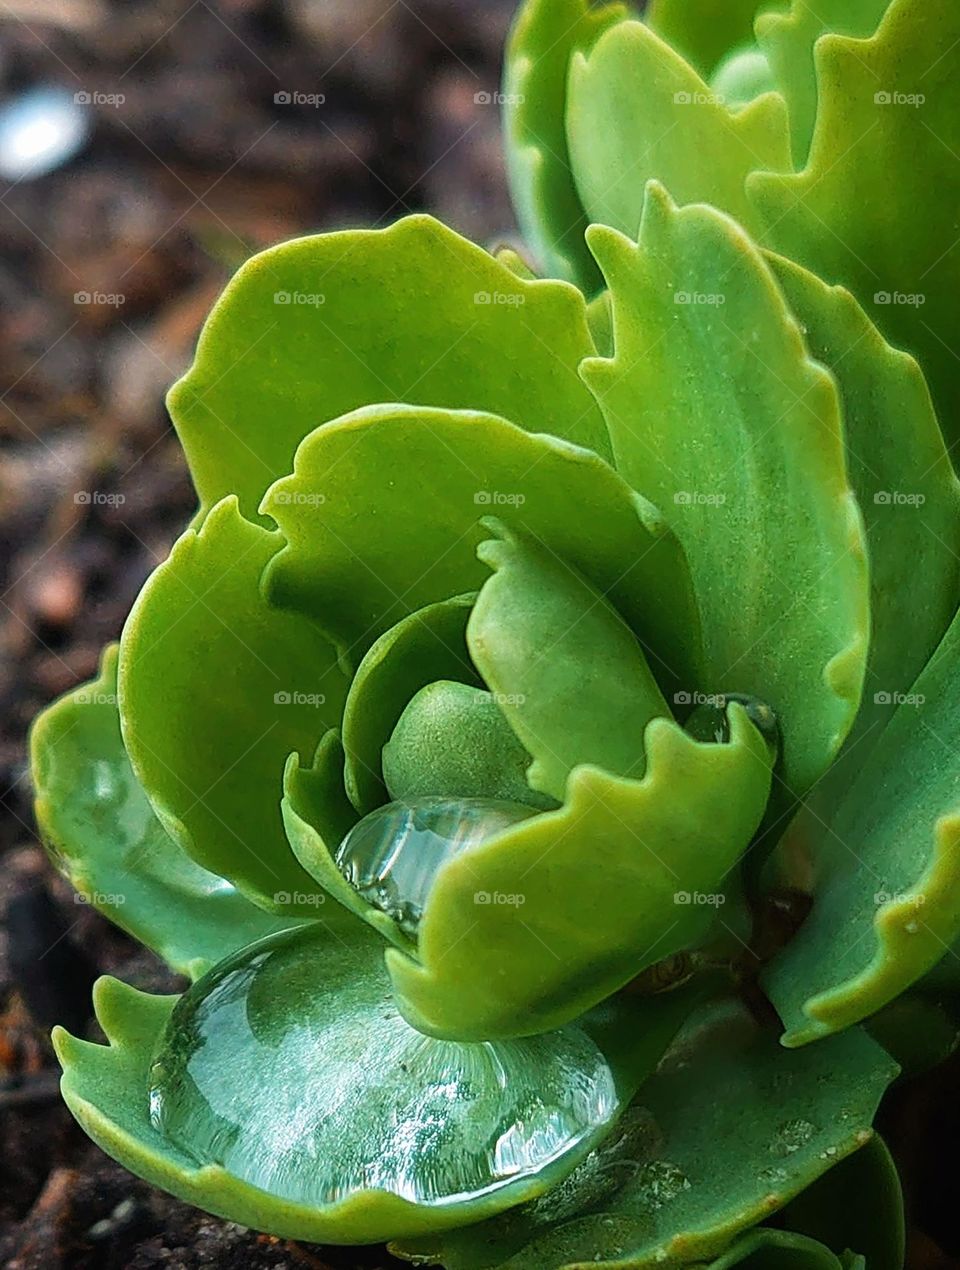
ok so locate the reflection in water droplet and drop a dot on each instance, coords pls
(290, 1066)
(660, 1181)
(791, 1136)
(393, 855)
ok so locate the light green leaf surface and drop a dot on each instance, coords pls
(788, 38)
(659, 1195)
(453, 742)
(101, 831)
(545, 35)
(544, 920)
(399, 494)
(570, 675)
(876, 207)
(427, 645)
(904, 482)
(704, 31)
(410, 313)
(216, 690)
(720, 416)
(887, 895)
(637, 111)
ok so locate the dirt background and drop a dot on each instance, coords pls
(201, 164)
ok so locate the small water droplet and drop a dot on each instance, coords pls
(659, 1182)
(772, 1176)
(911, 927)
(708, 720)
(791, 1136)
(392, 856)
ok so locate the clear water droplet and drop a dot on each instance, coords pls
(289, 1065)
(393, 855)
(659, 1182)
(791, 1136)
(708, 720)
(772, 1176)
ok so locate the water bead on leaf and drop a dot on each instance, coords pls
(299, 1076)
(393, 855)
(708, 720)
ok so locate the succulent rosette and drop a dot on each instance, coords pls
(558, 681)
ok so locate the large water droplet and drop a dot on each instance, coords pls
(393, 855)
(289, 1065)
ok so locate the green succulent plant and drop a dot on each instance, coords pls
(559, 680)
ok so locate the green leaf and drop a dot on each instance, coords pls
(788, 39)
(216, 689)
(411, 313)
(327, 991)
(887, 900)
(542, 921)
(569, 674)
(370, 549)
(428, 645)
(638, 111)
(875, 208)
(704, 31)
(727, 1131)
(777, 1250)
(719, 415)
(905, 484)
(857, 1205)
(544, 37)
(101, 831)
